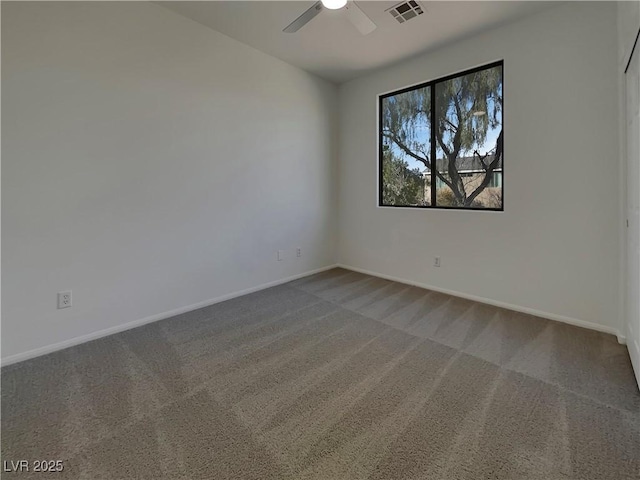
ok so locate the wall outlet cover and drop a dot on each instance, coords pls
(64, 299)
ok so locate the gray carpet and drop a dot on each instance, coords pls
(335, 376)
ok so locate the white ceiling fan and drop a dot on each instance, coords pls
(355, 15)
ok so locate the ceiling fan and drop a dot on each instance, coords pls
(353, 13)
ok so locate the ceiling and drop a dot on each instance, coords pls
(331, 47)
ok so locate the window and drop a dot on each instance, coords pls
(441, 143)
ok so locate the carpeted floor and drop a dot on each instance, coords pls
(335, 376)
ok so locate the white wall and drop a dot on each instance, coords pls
(149, 164)
(628, 22)
(555, 249)
(628, 27)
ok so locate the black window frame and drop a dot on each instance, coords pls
(432, 86)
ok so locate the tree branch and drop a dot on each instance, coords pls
(405, 149)
(489, 172)
(424, 161)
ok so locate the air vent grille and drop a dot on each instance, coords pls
(406, 11)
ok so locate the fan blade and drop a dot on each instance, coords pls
(359, 19)
(305, 18)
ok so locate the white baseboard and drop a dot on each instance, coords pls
(19, 357)
(489, 301)
(634, 350)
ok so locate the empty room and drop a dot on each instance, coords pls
(325, 240)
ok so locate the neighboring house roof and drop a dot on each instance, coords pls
(466, 164)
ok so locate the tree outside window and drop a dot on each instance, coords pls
(441, 143)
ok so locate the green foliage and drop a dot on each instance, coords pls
(458, 130)
(400, 184)
(407, 115)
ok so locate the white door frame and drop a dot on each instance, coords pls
(632, 206)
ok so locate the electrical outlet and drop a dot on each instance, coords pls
(298, 252)
(280, 255)
(436, 261)
(64, 299)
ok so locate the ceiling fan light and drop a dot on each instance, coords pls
(333, 4)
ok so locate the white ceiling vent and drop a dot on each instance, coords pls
(406, 11)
